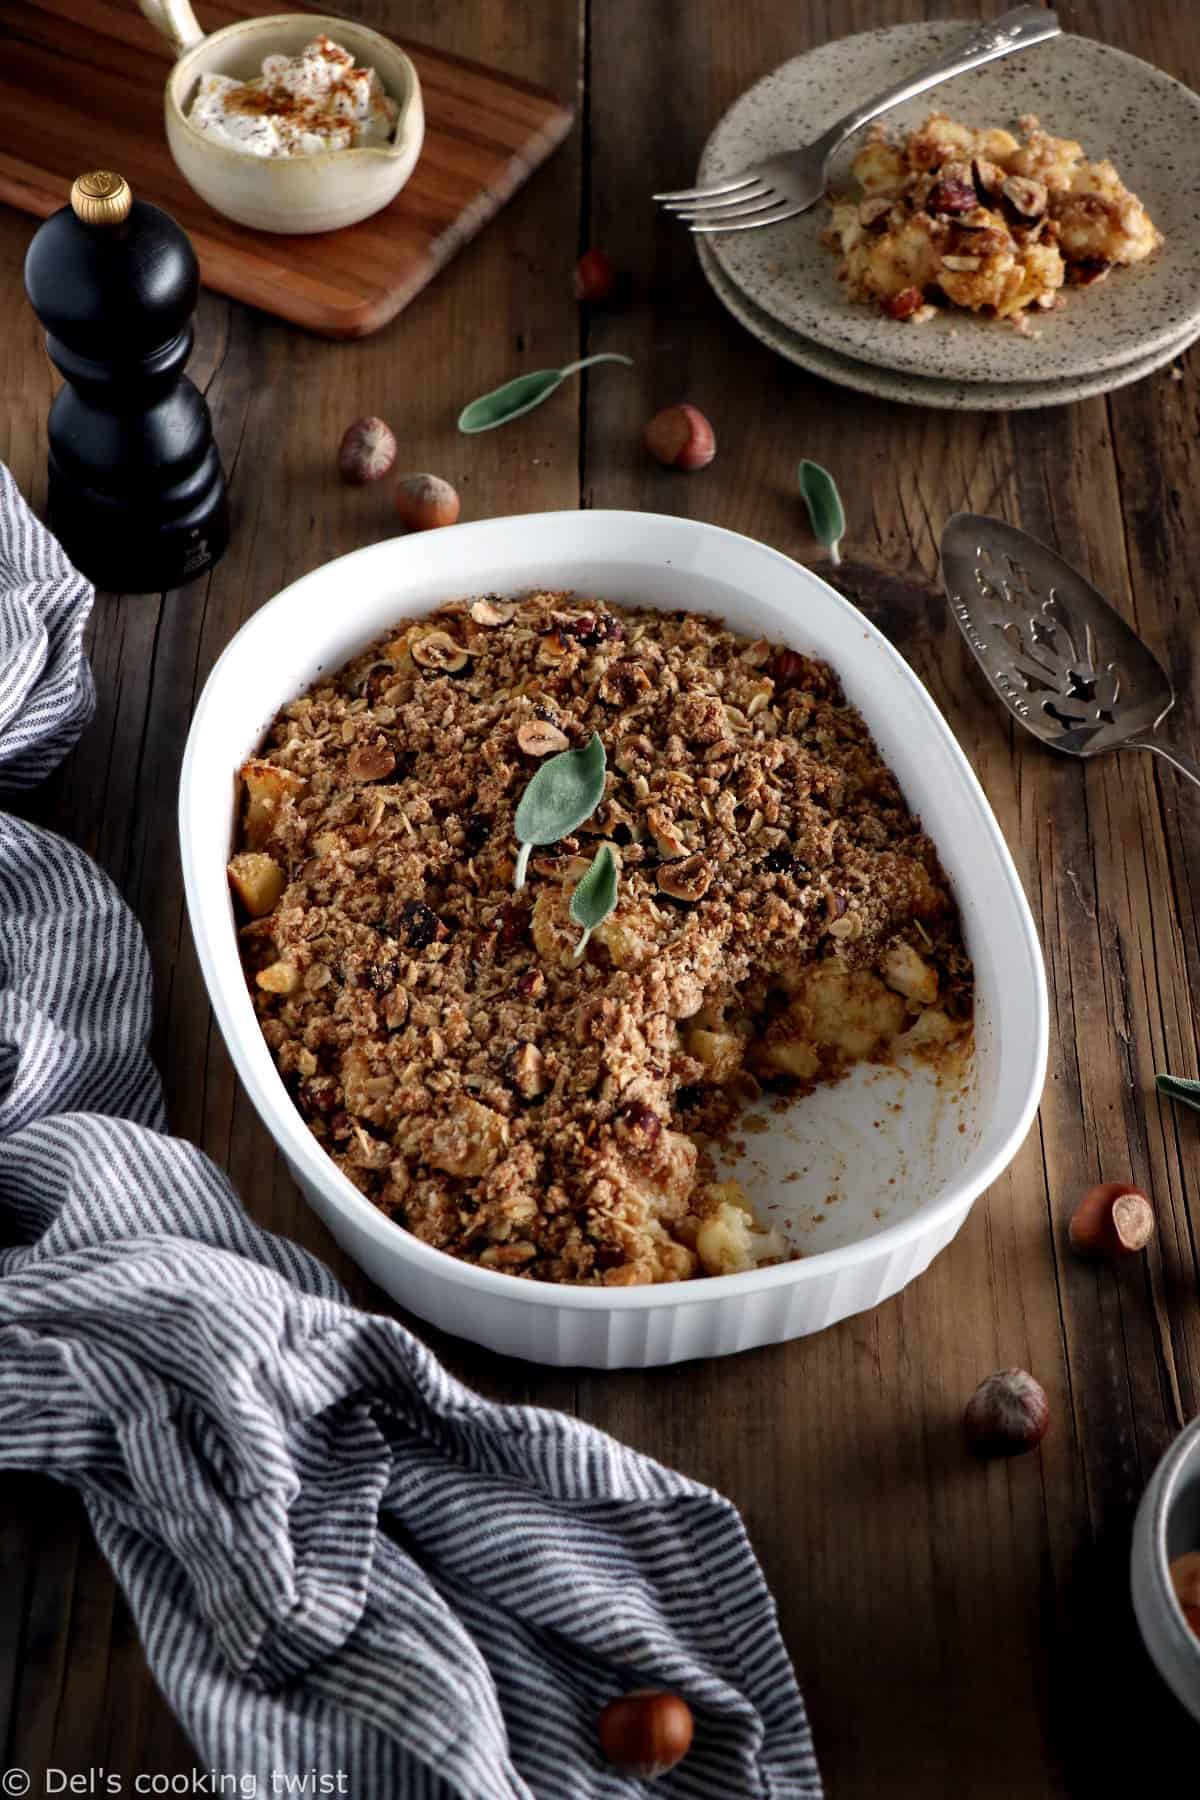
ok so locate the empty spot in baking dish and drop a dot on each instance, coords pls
(847, 1161)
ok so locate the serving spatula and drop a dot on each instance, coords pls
(1061, 659)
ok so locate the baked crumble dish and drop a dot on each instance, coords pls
(780, 915)
(980, 219)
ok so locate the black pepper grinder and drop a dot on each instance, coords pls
(137, 496)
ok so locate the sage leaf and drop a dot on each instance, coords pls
(524, 393)
(1175, 1087)
(566, 790)
(824, 503)
(595, 896)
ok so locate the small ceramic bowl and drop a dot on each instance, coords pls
(288, 194)
(1167, 1526)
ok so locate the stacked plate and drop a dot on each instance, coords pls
(781, 282)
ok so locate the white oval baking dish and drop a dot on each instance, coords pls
(870, 1178)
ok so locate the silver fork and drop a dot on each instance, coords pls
(786, 185)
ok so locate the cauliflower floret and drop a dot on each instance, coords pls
(1099, 220)
(904, 257)
(1042, 274)
(662, 1259)
(1043, 158)
(719, 1051)
(928, 1030)
(845, 225)
(849, 1009)
(975, 281)
(941, 139)
(909, 974)
(467, 1141)
(791, 1056)
(880, 168)
(627, 935)
(730, 1240)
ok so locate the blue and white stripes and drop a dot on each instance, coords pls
(46, 691)
(339, 1558)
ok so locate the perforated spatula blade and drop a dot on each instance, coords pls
(1061, 659)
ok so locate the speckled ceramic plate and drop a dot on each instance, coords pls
(1114, 104)
(920, 390)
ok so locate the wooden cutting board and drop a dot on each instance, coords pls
(81, 85)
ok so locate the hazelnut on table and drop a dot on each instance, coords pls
(366, 452)
(1007, 1414)
(681, 438)
(595, 278)
(425, 502)
(1114, 1221)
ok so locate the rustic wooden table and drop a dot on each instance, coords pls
(958, 1630)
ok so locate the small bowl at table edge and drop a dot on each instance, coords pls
(1173, 1488)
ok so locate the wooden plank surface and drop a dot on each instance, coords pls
(81, 80)
(958, 1631)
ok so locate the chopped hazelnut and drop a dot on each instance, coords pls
(687, 880)
(905, 304)
(370, 762)
(951, 197)
(1025, 197)
(537, 737)
(492, 612)
(529, 1071)
(438, 650)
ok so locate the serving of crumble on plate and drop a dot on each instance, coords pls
(973, 217)
(1085, 93)
(781, 915)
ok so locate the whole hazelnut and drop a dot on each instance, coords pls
(425, 501)
(595, 278)
(681, 437)
(1185, 1579)
(1007, 1414)
(367, 451)
(646, 1733)
(1114, 1220)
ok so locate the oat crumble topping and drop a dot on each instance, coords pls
(780, 916)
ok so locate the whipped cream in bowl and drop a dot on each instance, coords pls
(295, 122)
(299, 105)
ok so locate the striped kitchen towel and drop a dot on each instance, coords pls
(341, 1560)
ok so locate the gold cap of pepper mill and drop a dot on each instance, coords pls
(101, 198)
